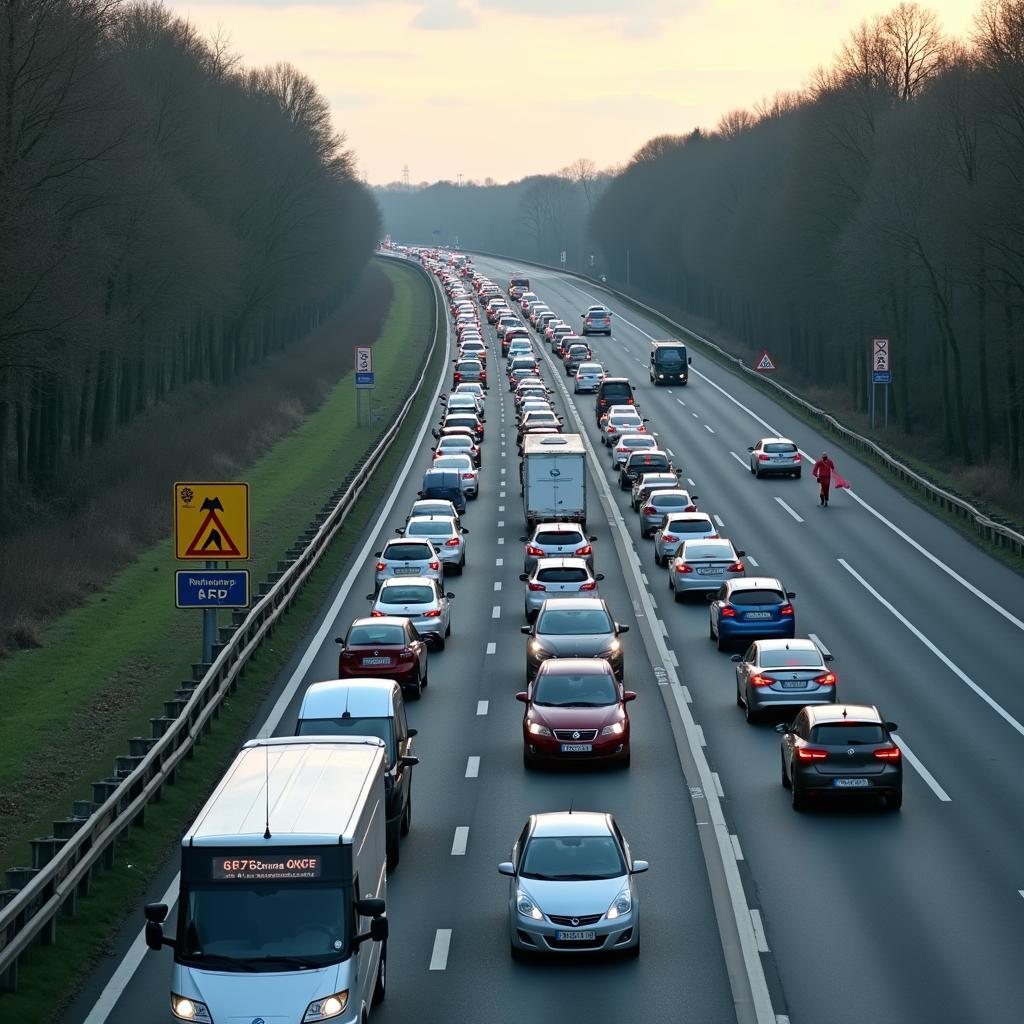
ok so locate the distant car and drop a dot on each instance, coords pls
(651, 460)
(680, 526)
(386, 647)
(464, 418)
(572, 886)
(471, 388)
(555, 578)
(597, 320)
(470, 371)
(433, 507)
(617, 424)
(450, 444)
(520, 374)
(557, 540)
(704, 565)
(575, 355)
(645, 483)
(445, 534)
(588, 378)
(558, 331)
(783, 674)
(773, 456)
(841, 750)
(613, 391)
(420, 600)
(466, 403)
(547, 418)
(575, 711)
(664, 503)
(400, 557)
(574, 627)
(751, 608)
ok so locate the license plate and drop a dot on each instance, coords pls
(407, 571)
(577, 935)
(577, 748)
(759, 615)
(710, 572)
(851, 783)
(376, 661)
(794, 684)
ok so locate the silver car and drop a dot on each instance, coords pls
(647, 482)
(521, 347)
(773, 456)
(420, 600)
(663, 503)
(433, 507)
(558, 577)
(400, 557)
(588, 378)
(573, 886)
(704, 565)
(782, 673)
(464, 403)
(469, 476)
(679, 527)
(552, 540)
(506, 323)
(471, 388)
(629, 443)
(447, 537)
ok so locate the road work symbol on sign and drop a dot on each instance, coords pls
(211, 520)
(764, 362)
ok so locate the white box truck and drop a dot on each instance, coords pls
(280, 912)
(554, 470)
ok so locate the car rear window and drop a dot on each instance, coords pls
(670, 501)
(780, 448)
(847, 733)
(567, 621)
(708, 551)
(376, 635)
(653, 459)
(791, 659)
(697, 526)
(616, 391)
(557, 537)
(748, 597)
(639, 442)
(441, 529)
(563, 575)
(405, 594)
(406, 552)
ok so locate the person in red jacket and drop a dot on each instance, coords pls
(822, 471)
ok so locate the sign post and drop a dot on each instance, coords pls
(364, 382)
(881, 373)
(562, 257)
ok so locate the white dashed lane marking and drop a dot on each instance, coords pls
(460, 841)
(496, 612)
(492, 648)
(481, 707)
(439, 955)
(472, 767)
(798, 518)
(708, 429)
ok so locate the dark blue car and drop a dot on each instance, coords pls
(755, 608)
(444, 485)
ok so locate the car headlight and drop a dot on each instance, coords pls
(615, 729)
(536, 729)
(537, 648)
(526, 906)
(326, 1007)
(622, 904)
(189, 1009)
(613, 648)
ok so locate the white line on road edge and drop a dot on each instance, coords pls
(951, 665)
(736, 846)
(481, 707)
(472, 767)
(122, 977)
(442, 943)
(929, 779)
(817, 641)
(718, 785)
(492, 648)
(762, 939)
(496, 612)
(460, 841)
(742, 462)
(789, 510)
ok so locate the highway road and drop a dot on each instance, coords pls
(867, 915)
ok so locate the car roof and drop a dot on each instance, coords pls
(771, 440)
(647, 452)
(401, 581)
(361, 698)
(570, 603)
(689, 517)
(561, 527)
(573, 823)
(756, 583)
(379, 620)
(559, 562)
(709, 540)
(661, 492)
(843, 713)
(572, 666)
(788, 645)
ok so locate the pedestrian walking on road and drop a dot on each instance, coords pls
(822, 471)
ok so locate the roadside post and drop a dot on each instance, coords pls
(881, 373)
(364, 383)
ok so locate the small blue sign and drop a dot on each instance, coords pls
(364, 380)
(881, 376)
(211, 588)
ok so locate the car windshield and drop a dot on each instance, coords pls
(406, 594)
(802, 658)
(375, 635)
(406, 552)
(708, 551)
(847, 734)
(441, 529)
(555, 690)
(572, 858)
(563, 574)
(779, 448)
(547, 537)
(574, 621)
(669, 355)
(759, 596)
(351, 726)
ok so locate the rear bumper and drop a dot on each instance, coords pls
(760, 698)
(730, 629)
(888, 781)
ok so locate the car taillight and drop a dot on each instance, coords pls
(761, 681)
(690, 508)
(683, 567)
(888, 753)
(648, 510)
(531, 550)
(381, 566)
(432, 614)
(621, 449)
(611, 430)
(453, 543)
(537, 586)
(592, 585)
(737, 567)
(828, 679)
(377, 615)
(467, 476)
(669, 537)
(786, 609)
(457, 377)
(763, 458)
(728, 612)
(629, 401)
(585, 550)
(811, 754)
(434, 565)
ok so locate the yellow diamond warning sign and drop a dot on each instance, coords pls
(211, 521)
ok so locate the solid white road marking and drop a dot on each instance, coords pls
(686, 695)
(492, 648)
(460, 841)
(735, 840)
(742, 462)
(951, 665)
(442, 943)
(762, 939)
(481, 707)
(472, 767)
(496, 612)
(789, 510)
(921, 770)
(718, 785)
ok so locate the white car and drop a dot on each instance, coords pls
(447, 536)
(588, 377)
(620, 423)
(474, 389)
(401, 557)
(422, 601)
(630, 443)
(469, 475)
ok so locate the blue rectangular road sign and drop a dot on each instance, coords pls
(211, 588)
(881, 376)
(364, 380)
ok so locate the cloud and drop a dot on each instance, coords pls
(635, 18)
(443, 15)
(351, 100)
(356, 55)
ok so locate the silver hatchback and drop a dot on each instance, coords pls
(420, 600)
(781, 674)
(775, 456)
(663, 503)
(445, 534)
(552, 540)
(704, 565)
(557, 577)
(679, 527)
(402, 557)
(588, 378)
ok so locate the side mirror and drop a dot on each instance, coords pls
(442, 398)
(689, 360)
(450, 596)
(790, 593)
(645, 419)
(419, 494)
(891, 726)
(523, 577)
(750, 447)
(379, 929)
(830, 657)
(639, 867)
(435, 433)
(370, 907)
(464, 530)
(155, 938)
(782, 728)
(523, 539)
(506, 867)
(408, 761)
(599, 577)
(377, 554)
(370, 597)
(711, 596)
(629, 695)
(155, 912)
(736, 657)
(522, 697)
(413, 732)
(741, 554)
(592, 537)
(621, 629)
(399, 530)
(526, 630)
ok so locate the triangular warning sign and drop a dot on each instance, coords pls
(764, 362)
(212, 539)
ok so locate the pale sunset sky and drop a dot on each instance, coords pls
(505, 88)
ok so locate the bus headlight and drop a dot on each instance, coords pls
(189, 1009)
(326, 1007)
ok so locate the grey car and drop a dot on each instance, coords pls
(704, 565)
(550, 540)
(400, 557)
(618, 424)
(433, 507)
(445, 534)
(678, 527)
(573, 886)
(782, 674)
(629, 443)
(647, 482)
(420, 600)
(775, 456)
(574, 627)
(557, 578)
(663, 503)
(575, 356)
(588, 378)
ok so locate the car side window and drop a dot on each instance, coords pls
(517, 850)
(803, 726)
(750, 655)
(401, 724)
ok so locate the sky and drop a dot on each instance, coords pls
(506, 88)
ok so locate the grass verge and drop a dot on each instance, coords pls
(107, 666)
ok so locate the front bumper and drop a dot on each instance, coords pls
(542, 936)
(549, 749)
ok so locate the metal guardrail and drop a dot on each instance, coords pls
(988, 529)
(53, 889)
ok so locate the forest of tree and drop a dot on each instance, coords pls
(167, 216)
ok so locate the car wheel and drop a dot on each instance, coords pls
(415, 689)
(677, 595)
(782, 764)
(798, 474)
(624, 486)
(752, 472)
(750, 714)
(521, 956)
(425, 680)
(529, 764)
(380, 985)
(441, 642)
(757, 473)
(797, 798)
(460, 568)
(624, 763)
(391, 844)
(894, 803)
(722, 642)
(634, 951)
(448, 628)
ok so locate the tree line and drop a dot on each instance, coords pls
(167, 216)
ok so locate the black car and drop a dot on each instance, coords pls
(841, 750)
(647, 460)
(613, 391)
(445, 485)
(574, 627)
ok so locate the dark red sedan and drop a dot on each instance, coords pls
(575, 711)
(387, 646)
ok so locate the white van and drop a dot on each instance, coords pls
(280, 913)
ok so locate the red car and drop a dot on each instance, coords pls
(575, 711)
(387, 646)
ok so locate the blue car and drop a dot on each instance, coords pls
(755, 608)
